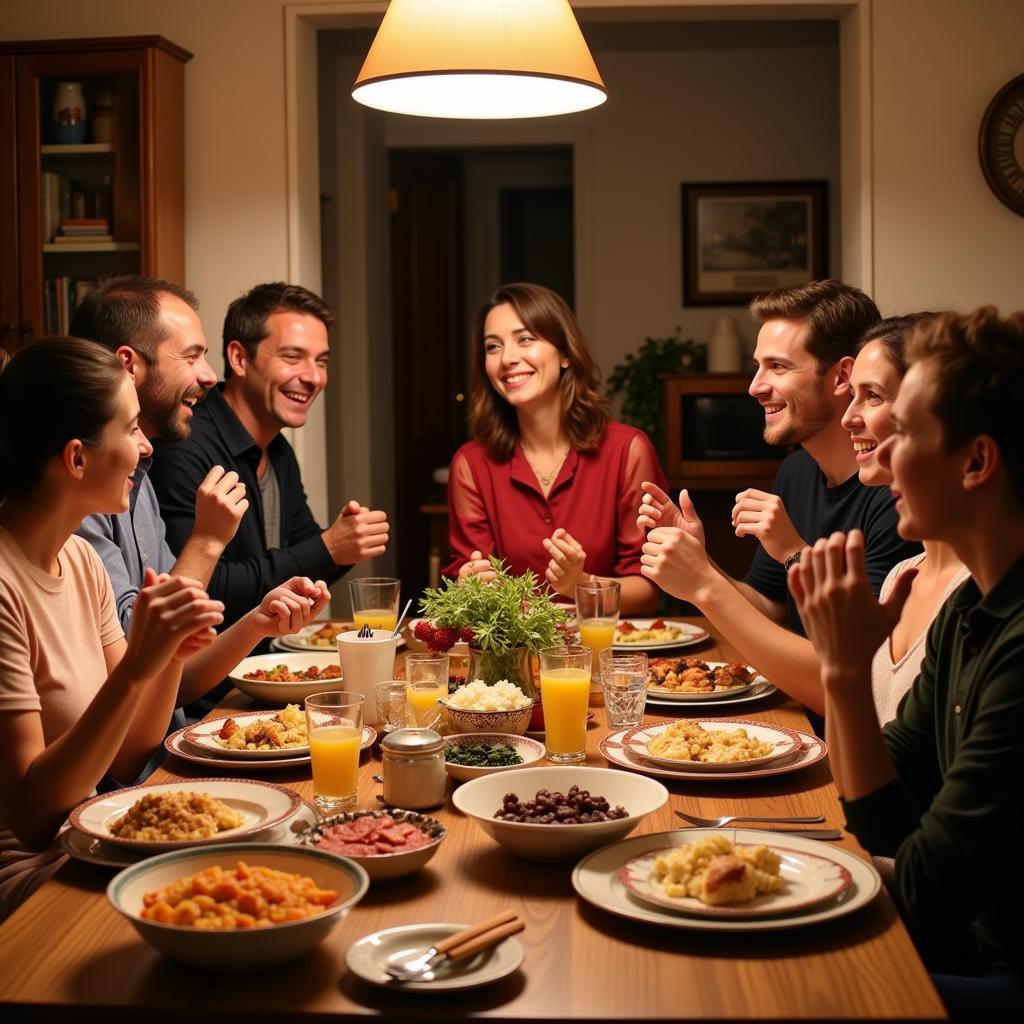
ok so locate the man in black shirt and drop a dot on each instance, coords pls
(275, 365)
(805, 349)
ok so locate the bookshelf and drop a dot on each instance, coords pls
(81, 211)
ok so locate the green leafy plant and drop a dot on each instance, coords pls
(505, 613)
(638, 380)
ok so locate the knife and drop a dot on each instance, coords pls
(809, 833)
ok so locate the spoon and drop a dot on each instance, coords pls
(405, 611)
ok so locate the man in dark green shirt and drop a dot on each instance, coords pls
(938, 788)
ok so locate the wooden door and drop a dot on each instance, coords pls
(429, 344)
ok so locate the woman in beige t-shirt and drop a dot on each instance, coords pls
(77, 700)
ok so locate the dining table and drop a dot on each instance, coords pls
(67, 951)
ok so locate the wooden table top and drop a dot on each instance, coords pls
(67, 947)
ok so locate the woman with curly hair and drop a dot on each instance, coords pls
(549, 481)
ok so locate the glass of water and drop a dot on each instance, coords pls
(624, 682)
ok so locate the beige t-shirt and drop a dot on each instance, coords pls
(891, 680)
(52, 634)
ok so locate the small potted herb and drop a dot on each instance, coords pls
(505, 621)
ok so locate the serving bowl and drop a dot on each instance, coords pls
(381, 866)
(638, 794)
(531, 751)
(284, 693)
(462, 720)
(240, 949)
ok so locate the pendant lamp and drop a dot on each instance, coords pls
(479, 59)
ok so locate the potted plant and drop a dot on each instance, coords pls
(505, 621)
(638, 380)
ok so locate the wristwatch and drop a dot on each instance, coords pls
(791, 561)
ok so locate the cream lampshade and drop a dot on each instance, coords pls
(479, 59)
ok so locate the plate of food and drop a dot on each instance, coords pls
(252, 735)
(760, 689)
(96, 851)
(597, 880)
(177, 744)
(713, 745)
(812, 750)
(319, 637)
(655, 634)
(692, 679)
(288, 676)
(712, 876)
(190, 812)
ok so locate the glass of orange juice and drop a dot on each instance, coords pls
(335, 724)
(597, 615)
(375, 601)
(427, 676)
(564, 692)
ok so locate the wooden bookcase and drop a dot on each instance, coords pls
(140, 169)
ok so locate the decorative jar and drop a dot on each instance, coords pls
(68, 125)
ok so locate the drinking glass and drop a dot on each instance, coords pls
(375, 601)
(597, 614)
(365, 661)
(392, 707)
(335, 723)
(427, 676)
(624, 682)
(564, 691)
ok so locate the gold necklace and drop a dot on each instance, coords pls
(545, 480)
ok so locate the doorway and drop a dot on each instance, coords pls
(463, 222)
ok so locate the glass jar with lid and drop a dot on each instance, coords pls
(413, 768)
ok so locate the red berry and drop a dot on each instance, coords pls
(424, 630)
(443, 639)
(467, 634)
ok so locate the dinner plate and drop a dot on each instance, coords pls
(716, 700)
(203, 738)
(786, 743)
(368, 957)
(261, 803)
(811, 752)
(176, 744)
(810, 879)
(688, 696)
(96, 851)
(596, 880)
(689, 634)
(280, 692)
(300, 641)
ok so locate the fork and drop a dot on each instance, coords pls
(457, 947)
(816, 819)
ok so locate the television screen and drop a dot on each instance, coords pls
(728, 427)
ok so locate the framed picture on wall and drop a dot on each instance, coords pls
(744, 238)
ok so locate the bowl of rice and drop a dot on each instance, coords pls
(497, 707)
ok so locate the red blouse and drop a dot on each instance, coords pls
(498, 507)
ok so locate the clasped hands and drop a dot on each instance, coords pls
(563, 572)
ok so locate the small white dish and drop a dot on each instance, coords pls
(273, 692)
(688, 696)
(368, 957)
(689, 634)
(262, 804)
(716, 700)
(530, 750)
(786, 743)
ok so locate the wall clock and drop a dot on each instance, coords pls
(1001, 145)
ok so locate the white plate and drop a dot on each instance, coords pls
(786, 744)
(368, 957)
(95, 851)
(300, 641)
(811, 752)
(596, 880)
(203, 738)
(177, 745)
(810, 879)
(689, 634)
(261, 803)
(718, 700)
(281, 692)
(686, 697)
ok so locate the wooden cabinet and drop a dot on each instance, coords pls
(130, 184)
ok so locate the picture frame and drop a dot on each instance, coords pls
(741, 239)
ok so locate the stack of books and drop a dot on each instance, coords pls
(61, 296)
(84, 231)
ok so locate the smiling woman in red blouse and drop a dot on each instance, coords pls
(549, 482)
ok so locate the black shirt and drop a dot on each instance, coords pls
(817, 511)
(247, 569)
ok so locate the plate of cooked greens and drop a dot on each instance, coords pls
(469, 755)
